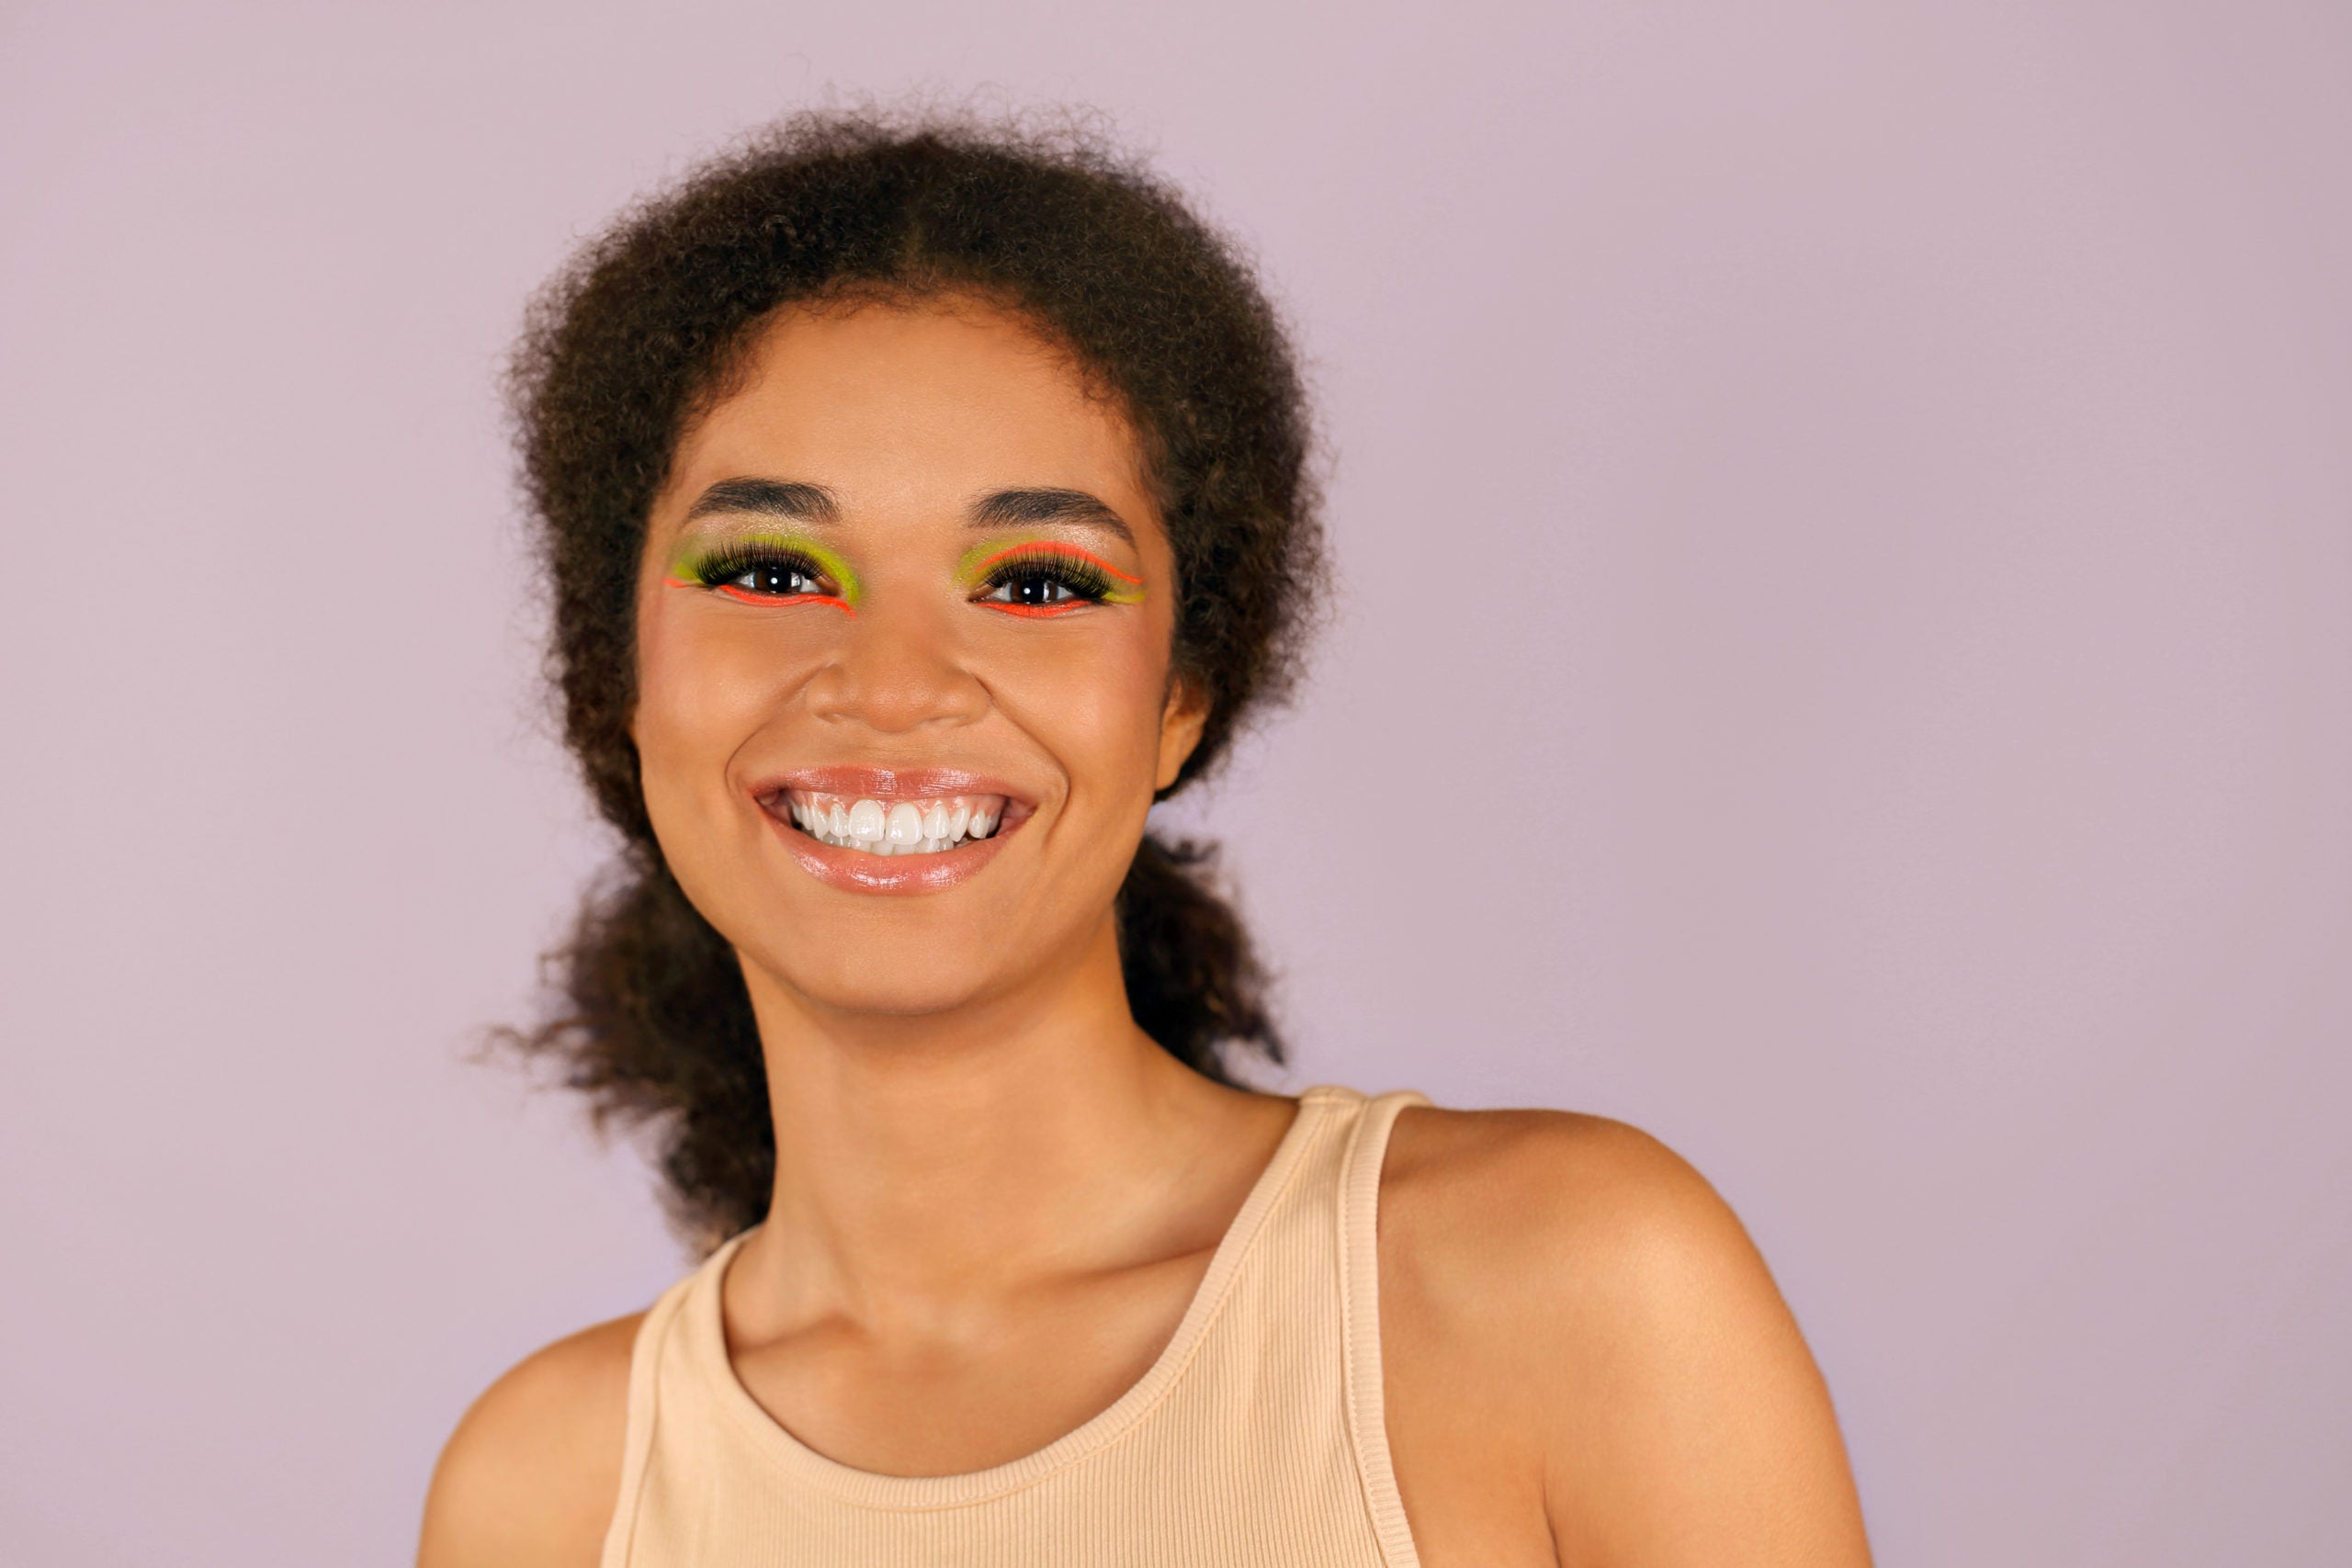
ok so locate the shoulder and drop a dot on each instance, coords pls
(1573, 1290)
(1549, 1246)
(529, 1478)
(1539, 1200)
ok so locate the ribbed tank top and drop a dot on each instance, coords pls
(1256, 1437)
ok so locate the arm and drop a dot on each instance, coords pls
(530, 1477)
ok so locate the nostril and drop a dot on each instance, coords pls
(891, 687)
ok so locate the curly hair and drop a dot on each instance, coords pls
(647, 328)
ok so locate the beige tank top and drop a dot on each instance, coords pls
(1256, 1437)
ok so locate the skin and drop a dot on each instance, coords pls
(994, 1195)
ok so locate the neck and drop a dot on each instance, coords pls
(925, 1161)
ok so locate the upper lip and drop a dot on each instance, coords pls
(888, 785)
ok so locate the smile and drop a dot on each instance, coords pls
(919, 827)
(867, 830)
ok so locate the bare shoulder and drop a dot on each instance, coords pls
(1571, 1314)
(1503, 1230)
(529, 1478)
(1547, 1199)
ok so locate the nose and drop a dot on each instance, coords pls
(895, 674)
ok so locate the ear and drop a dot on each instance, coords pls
(1181, 723)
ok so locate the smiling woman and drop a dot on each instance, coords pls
(922, 503)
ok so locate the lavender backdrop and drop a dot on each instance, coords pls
(1849, 506)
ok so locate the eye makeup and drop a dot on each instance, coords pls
(767, 568)
(1044, 577)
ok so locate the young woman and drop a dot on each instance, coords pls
(921, 506)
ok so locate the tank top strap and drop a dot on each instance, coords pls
(1358, 1225)
(645, 1389)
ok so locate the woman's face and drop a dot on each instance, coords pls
(904, 624)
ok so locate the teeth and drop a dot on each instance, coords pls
(899, 827)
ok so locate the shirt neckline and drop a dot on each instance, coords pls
(707, 1351)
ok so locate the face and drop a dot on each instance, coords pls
(904, 625)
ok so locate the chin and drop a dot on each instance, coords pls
(881, 997)
(869, 968)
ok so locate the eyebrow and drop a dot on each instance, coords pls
(787, 499)
(800, 503)
(1010, 508)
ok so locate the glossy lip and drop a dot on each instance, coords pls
(854, 871)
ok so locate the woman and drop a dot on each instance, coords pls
(921, 505)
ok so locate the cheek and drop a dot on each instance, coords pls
(1097, 706)
(702, 688)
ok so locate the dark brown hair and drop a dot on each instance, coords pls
(641, 332)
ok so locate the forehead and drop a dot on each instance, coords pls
(923, 405)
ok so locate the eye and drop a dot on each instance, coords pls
(1049, 578)
(1038, 585)
(764, 572)
(780, 578)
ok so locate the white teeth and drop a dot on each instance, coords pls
(919, 827)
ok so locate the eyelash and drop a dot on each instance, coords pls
(1083, 581)
(721, 569)
(1086, 582)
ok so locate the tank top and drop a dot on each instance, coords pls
(1255, 1438)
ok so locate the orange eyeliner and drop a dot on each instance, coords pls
(1116, 587)
(745, 596)
(709, 564)
(765, 601)
(1050, 547)
(1038, 611)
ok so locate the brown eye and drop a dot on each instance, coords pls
(764, 572)
(1051, 583)
(1038, 590)
(780, 578)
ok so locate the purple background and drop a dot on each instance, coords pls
(1845, 514)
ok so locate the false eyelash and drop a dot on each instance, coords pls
(731, 561)
(1081, 577)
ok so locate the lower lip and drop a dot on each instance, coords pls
(854, 871)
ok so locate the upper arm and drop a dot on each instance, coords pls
(1694, 1426)
(530, 1477)
(1641, 1364)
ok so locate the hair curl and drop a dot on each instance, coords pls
(643, 331)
